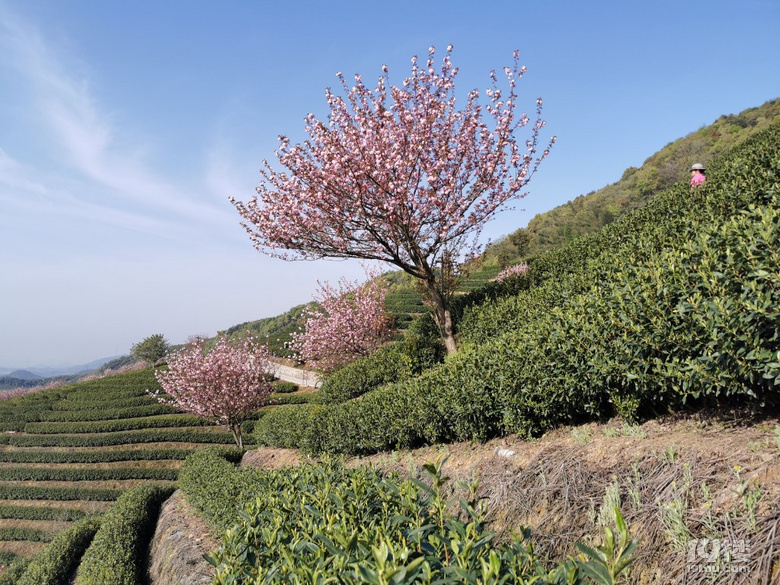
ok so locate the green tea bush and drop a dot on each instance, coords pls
(701, 321)
(93, 456)
(16, 473)
(327, 523)
(13, 573)
(41, 513)
(282, 387)
(169, 435)
(381, 367)
(21, 533)
(116, 554)
(694, 318)
(26, 492)
(103, 412)
(6, 558)
(276, 399)
(15, 413)
(126, 385)
(285, 426)
(389, 417)
(58, 560)
(126, 424)
(92, 403)
(215, 486)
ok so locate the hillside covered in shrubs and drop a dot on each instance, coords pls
(672, 306)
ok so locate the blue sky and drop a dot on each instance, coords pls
(125, 127)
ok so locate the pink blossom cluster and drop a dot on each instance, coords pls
(396, 173)
(139, 365)
(5, 394)
(514, 270)
(349, 322)
(401, 174)
(226, 384)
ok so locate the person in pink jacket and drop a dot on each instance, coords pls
(697, 175)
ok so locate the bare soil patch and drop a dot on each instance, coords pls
(85, 505)
(180, 540)
(270, 458)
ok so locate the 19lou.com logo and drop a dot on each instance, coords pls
(718, 555)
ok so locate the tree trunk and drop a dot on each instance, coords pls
(442, 315)
(237, 435)
(449, 337)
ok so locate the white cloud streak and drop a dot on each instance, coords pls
(116, 185)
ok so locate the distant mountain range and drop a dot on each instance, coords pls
(24, 375)
(36, 372)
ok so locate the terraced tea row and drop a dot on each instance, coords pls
(67, 454)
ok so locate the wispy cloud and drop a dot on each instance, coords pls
(14, 176)
(117, 185)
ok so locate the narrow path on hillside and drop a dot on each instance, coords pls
(296, 375)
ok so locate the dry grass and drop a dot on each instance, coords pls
(84, 505)
(676, 479)
(23, 548)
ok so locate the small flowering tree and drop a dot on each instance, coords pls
(400, 175)
(227, 384)
(349, 322)
(510, 271)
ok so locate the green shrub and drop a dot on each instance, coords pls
(674, 303)
(126, 424)
(13, 573)
(93, 455)
(17, 473)
(169, 435)
(388, 418)
(282, 387)
(57, 561)
(285, 426)
(327, 523)
(215, 486)
(25, 492)
(6, 558)
(278, 399)
(116, 554)
(363, 375)
(419, 350)
(104, 412)
(93, 403)
(21, 533)
(701, 323)
(41, 513)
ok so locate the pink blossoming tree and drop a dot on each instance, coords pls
(401, 175)
(510, 271)
(227, 384)
(348, 322)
